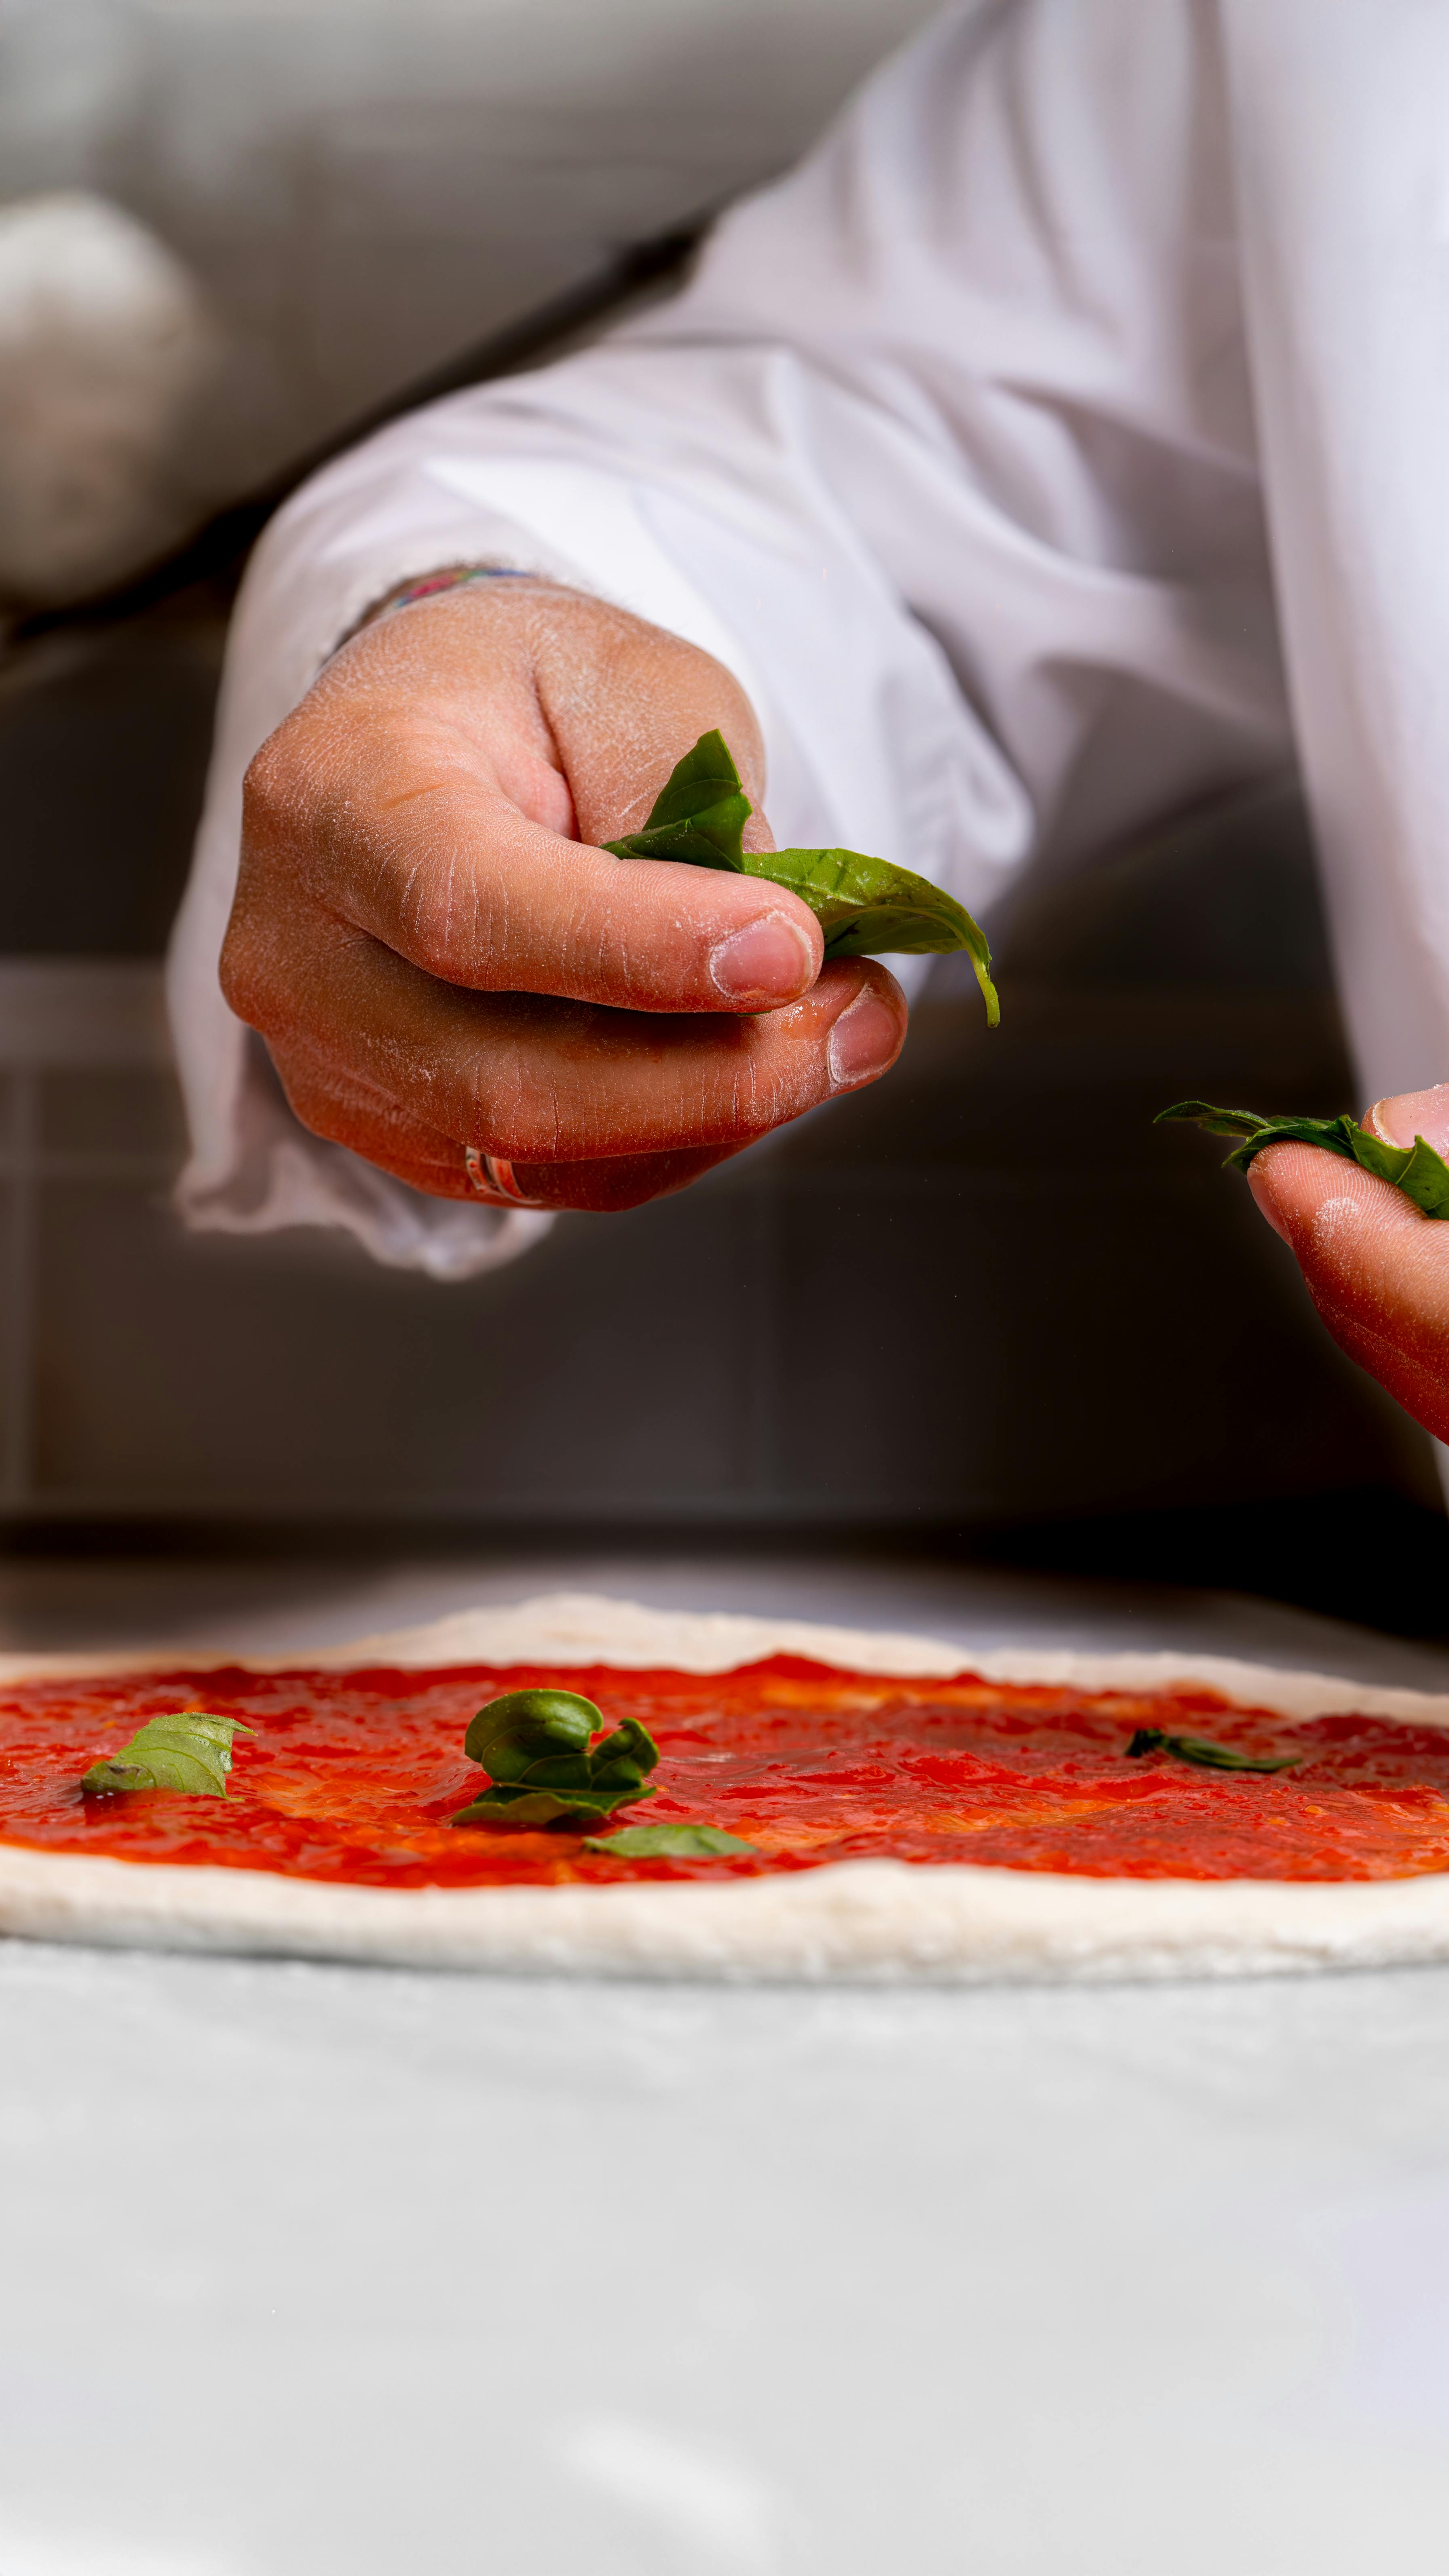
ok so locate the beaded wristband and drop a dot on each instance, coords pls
(433, 582)
(428, 588)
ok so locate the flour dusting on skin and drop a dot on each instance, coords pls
(1335, 1217)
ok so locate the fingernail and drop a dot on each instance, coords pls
(768, 961)
(1411, 1114)
(864, 1040)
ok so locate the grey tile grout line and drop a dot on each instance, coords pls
(19, 1363)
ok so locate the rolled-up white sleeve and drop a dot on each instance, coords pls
(949, 452)
(1340, 123)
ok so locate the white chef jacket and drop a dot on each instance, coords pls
(1066, 438)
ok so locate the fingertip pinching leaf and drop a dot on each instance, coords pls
(188, 1754)
(866, 907)
(670, 1842)
(1417, 1170)
(535, 1748)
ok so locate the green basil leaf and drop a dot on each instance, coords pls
(538, 1735)
(1416, 1169)
(189, 1754)
(708, 840)
(668, 1842)
(1220, 1757)
(1203, 1755)
(524, 1810)
(534, 1746)
(698, 816)
(115, 1779)
(1218, 1122)
(864, 906)
(624, 1757)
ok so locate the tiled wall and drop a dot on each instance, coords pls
(988, 1290)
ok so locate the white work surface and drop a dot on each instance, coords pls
(321, 2271)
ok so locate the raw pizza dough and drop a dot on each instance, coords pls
(858, 1921)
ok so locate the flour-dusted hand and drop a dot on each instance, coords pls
(1377, 1268)
(441, 956)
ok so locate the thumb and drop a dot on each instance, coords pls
(1413, 1113)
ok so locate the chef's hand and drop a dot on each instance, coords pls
(1377, 1270)
(438, 959)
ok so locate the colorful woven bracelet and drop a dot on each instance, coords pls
(433, 582)
(428, 588)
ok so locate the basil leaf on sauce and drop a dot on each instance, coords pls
(534, 1734)
(1205, 1756)
(189, 1754)
(863, 905)
(1416, 1169)
(535, 1747)
(527, 1811)
(624, 1759)
(668, 1842)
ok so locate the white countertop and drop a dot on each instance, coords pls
(314, 2269)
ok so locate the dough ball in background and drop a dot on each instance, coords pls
(106, 354)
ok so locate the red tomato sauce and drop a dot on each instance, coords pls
(353, 1777)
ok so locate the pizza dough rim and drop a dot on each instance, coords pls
(855, 1922)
